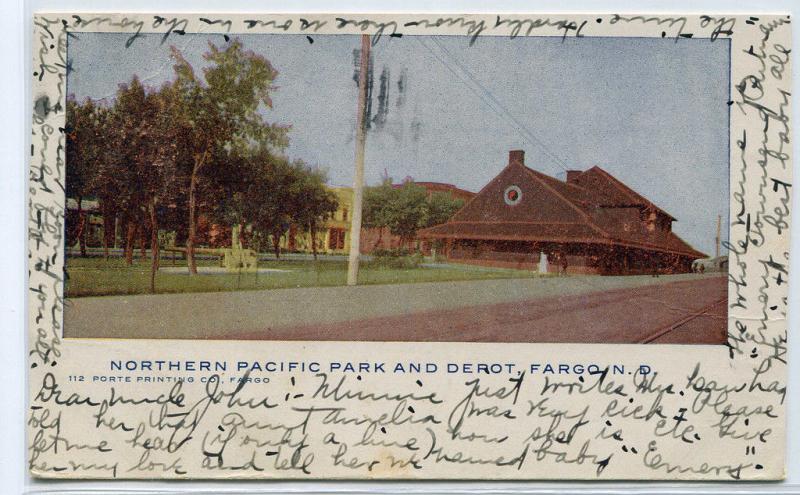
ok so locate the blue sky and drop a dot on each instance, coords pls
(652, 112)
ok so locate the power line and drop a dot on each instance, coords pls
(492, 102)
(508, 113)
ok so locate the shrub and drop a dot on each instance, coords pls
(398, 258)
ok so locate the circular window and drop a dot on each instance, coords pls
(512, 195)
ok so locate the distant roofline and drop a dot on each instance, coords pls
(446, 184)
(418, 182)
(434, 183)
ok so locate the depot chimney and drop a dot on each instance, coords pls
(516, 156)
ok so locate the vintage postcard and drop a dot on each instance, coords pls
(401, 246)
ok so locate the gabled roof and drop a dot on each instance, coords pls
(592, 207)
(610, 191)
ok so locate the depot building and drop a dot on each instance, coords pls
(591, 223)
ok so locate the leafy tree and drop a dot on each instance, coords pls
(118, 180)
(405, 209)
(314, 203)
(85, 150)
(228, 200)
(281, 193)
(147, 156)
(221, 111)
(441, 208)
(376, 208)
(269, 201)
(408, 211)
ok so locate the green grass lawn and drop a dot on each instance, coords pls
(98, 277)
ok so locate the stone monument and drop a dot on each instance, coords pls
(236, 258)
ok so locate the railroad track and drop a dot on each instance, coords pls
(704, 311)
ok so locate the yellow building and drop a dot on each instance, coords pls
(333, 237)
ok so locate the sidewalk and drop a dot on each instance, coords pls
(202, 315)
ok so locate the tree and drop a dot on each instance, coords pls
(85, 149)
(159, 159)
(408, 211)
(220, 112)
(118, 179)
(279, 193)
(402, 210)
(149, 156)
(405, 209)
(376, 208)
(441, 208)
(314, 203)
(194, 143)
(228, 199)
(276, 196)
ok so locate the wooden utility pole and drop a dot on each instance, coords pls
(719, 231)
(358, 178)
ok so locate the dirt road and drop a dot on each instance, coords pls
(687, 311)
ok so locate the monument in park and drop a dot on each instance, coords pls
(233, 259)
(236, 258)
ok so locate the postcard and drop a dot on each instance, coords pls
(356, 246)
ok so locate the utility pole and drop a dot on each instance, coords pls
(719, 230)
(358, 177)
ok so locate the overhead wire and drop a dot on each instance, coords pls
(490, 100)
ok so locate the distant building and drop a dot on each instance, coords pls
(441, 187)
(333, 237)
(590, 223)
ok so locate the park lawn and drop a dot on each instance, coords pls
(98, 277)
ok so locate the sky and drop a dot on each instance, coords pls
(652, 112)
